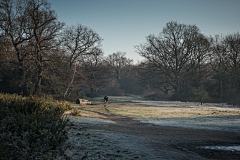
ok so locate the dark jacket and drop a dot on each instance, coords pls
(106, 99)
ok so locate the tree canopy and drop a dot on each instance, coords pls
(40, 55)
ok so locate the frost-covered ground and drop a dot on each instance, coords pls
(225, 123)
(140, 100)
(227, 148)
(104, 138)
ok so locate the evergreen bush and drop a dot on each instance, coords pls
(31, 127)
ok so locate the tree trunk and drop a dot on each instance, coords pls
(70, 84)
(221, 90)
(20, 66)
(38, 87)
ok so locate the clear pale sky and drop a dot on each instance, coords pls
(124, 24)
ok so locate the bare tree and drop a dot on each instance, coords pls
(225, 62)
(118, 61)
(7, 63)
(130, 80)
(45, 29)
(118, 64)
(232, 44)
(218, 63)
(152, 78)
(79, 40)
(14, 24)
(173, 51)
(96, 71)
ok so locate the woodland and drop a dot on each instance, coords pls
(41, 56)
(44, 64)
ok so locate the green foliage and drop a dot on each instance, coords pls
(31, 127)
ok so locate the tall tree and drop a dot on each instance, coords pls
(7, 66)
(14, 24)
(45, 30)
(232, 43)
(225, 62)
(96, 71)
(152, 78)
(118, 61)
(118, 64)
(218, 64)
(173, 51)
(79, 40)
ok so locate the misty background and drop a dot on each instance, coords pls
(164, 50)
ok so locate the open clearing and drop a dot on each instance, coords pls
(131, 128)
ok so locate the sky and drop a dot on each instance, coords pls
(124, 24)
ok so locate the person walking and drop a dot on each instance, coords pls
(105, 101)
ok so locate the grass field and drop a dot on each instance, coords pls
(164, 112)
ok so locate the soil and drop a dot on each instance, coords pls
(118, 137)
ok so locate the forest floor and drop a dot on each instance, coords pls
(114, 133)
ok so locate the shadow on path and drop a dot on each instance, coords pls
(178, 140)
(115, 118)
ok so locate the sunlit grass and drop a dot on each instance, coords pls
(94, 102)
(85, 113)
(72, 104)
(164, 112)
(91, 114)
(98, 109)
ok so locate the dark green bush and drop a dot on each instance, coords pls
(31, 128)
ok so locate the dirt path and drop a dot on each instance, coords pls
(126, 138)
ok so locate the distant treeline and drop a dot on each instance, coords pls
(192, 66)
(40, 55)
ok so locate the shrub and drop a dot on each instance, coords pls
(31, 127)
(75, 112)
